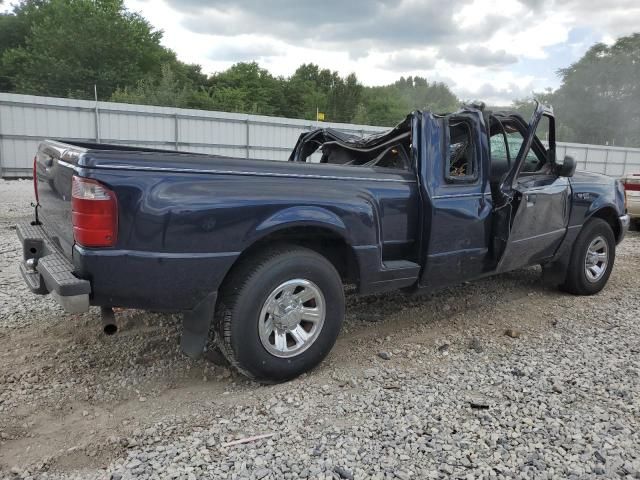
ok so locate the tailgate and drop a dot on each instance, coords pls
(632, 193)
(54, 168)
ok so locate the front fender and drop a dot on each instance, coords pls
(593, 193)
(301, 216)
(600, 205)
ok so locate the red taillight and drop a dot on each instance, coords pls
(94, 213)
(632, 184)
(35, 178)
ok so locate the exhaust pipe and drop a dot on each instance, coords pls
(109, 326)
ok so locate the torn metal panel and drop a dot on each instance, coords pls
(347, 149)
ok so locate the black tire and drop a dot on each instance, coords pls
(635, 224)
(576, 281)
(243, 296)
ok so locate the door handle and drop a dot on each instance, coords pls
(531, 199)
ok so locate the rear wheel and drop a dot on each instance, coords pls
(280, 313)
(592, 259)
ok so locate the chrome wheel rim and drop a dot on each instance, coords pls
(597, 259)
(291, 318)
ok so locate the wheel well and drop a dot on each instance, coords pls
(609, 215)
(321, 240)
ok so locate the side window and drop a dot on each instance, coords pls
(498, 147)
(461, 165)
(502, 155)
(532, 163)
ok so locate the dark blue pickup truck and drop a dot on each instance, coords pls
(259, 250)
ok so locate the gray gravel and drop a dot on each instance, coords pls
(417, 387)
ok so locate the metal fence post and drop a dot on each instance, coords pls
(624, 164)
(247, 138)
(176, 131)
(606, 161)
(97, 118)
(586, 158)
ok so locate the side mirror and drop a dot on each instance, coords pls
(568, 167)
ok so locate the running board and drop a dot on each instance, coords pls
(376, 276)
(400, 269)
(395, 274)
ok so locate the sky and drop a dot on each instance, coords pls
(490, 50)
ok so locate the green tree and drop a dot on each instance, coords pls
(344, 98)
(599, 98)
(311, 88)
(307, 90)
(361, 117)
(389, 104)
(70, 45)
(171, 90)
(385, 105)
(246, 87)
(14, 29)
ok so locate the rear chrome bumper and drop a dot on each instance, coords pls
(46, 270)
(625, 221)
(633, 208)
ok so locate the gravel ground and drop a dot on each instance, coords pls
(501, 378)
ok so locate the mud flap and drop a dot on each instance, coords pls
(196, 324)
(554, 274)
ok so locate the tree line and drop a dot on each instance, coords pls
(64, 47)
(248, 88)
(598, 100)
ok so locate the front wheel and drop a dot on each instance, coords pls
(592, 257)
(280, 313)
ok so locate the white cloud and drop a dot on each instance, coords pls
(245, 50)
(477, 55)
(408, 61)
(493, 49)
(495, 95)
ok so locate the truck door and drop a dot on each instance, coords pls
(457, 213)
(532, 217)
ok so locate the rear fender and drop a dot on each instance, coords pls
(301, 216)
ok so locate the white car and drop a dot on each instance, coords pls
(632, 196)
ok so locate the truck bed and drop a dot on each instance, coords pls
(187, 217)
(58, 159)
